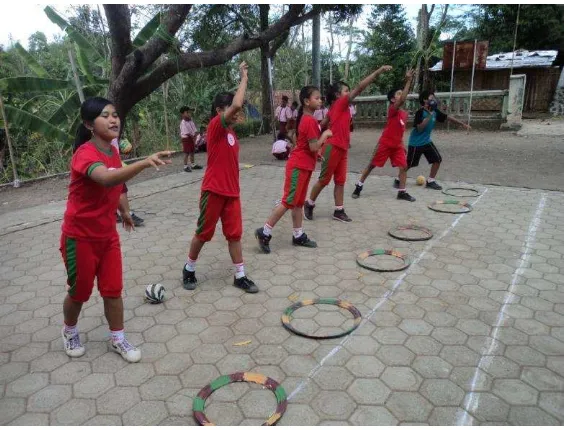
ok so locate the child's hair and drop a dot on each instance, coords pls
(305, 93)
(90, 110)
(334, 90)
(221, 101)
(284, 99)
(202, 128)
(295, 105)
(391, 94)
(424, 95)
(281, 136)
(184, 109)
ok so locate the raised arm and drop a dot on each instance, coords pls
(408, 80)
(368, 80)
(238, 102)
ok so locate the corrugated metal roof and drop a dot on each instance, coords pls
(522, 59)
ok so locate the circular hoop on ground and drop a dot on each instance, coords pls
(364, 255)
(271, 384)
(286, 317)
(399, 232)
(461, 192)
(449, 206)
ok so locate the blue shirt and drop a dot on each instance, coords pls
(421, 138)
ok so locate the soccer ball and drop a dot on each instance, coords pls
(154, 293)
(420, 180)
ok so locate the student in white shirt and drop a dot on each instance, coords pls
(283, 114)
(281, 147)
(188, 133)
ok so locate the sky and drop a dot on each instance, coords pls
(19, 20)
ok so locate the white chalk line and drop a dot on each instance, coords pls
(473, 397)
(380, 303)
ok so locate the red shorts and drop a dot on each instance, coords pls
(188, 144)
(334, 163)
(296, 186)
(282, 127)
(214, 207)
(86, 260)
(385, 151)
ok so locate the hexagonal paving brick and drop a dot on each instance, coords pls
(134, 375)
(542, 379)
(369, 391)
(74, 412)
(70, 373)
(223, 318)
(298, 365)
(499, 367)
(257, 403)
(373, 415)
(441, 392)
(553, 403)
(192, 326)
(333, 404)
(297, 414)
(401, 378)
(272, 335)
(515, 392)
(93, 385)
(409, 406)
(145, 413)
(49, 398)
(365, 366)
(173, 364)
(27, 384)
(547, 345)
(224, 414)
(29, 419)
(216, 335)
(159, 387)
(423, 345)
(208, 354)
(390, 336)
(333, 378)
(395, 355)
(531, 416)
(269, 354)
(48, 362)
(199, 375)
(487, 407)
(159, 333)
(459, 356)
(432, 367)
(415, 327)
(525, 356)
(118, 400)
(10, 409)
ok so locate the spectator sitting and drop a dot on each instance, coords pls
(281, 147)
(200, 145)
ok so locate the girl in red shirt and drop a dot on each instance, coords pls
(298, 171)
(90, 244)
(220, 191)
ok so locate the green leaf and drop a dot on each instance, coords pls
(28, 84)
(149, 30)
(55, 18)
(30, 61)
(18, 118)
(83, 63)
(73, 128)
(71, 106)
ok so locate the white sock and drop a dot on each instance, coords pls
(117, 336)
(402, 190)
(297, 232)
(71, 329)
(339, 208)
(310, 202)
(360, 184)
(239, 270)
(267, 229)
(429, 180)
(190, 266)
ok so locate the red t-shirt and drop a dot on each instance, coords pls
(301, 156)
(395, 127)
(91, 207)
(340, 116)
(222, 174)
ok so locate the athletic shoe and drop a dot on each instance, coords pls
(308, 210)
(137, 220)
(189, 279)
(340, 215)
(196, 167)
(128, 352)
(72, 344)
(396, 183)
(246, 284)
(118, 218)
(404, 195)
(434, 185)
(357, 191)
(188, 169)
(263, 240)
(303, 240)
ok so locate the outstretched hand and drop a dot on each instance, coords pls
(156, 161)
(384, 69)
(243, 69)
(410, 73)
(127, 222)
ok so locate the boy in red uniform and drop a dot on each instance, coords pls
(90, 244)
(335, 150)
(220, 191)
(390, 145)
(298, 172)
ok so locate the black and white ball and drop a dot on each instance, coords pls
(154, 293)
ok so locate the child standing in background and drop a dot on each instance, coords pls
(188, 134)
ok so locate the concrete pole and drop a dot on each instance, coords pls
(316, 51)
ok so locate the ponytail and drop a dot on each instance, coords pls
(90, 109)
(82, 136)
(305, 93)
(299, 116)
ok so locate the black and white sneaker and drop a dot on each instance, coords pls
(188, 169)
(303, 240)
(396, 183)
(404, 195)
(137, 220)
(433, 185)
(72, 344)
(196, 167)
(263, 240)
(340, 215)
(308, 211)
(246, 284)
(357, 191)
(189, 279)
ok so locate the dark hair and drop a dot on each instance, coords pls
(424, 95)
(281, 136)
(284, 98)
(90, 110)
(334, 90)
(305, 93)
(391, 94)
(184, 109)
(221, 101)
(295, 104)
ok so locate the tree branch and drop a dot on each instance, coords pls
(431, 10)
(119, 24)
(277, 43)
(241, 19)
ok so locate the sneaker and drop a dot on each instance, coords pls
(303, 240)
(189, 279)
(196, 167)
(72, 344)
(434, 185)
(263, 240)
(128, 352)
(308, 210)
(357, 191)
(404, 195)
(137, 220)
(340, 215)
(246, 284)
(188, 169)
(118, 218)
(396, 183)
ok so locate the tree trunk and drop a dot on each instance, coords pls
(316, 51)
(347, 67)
(331, 44)
(266, 107)
(422, 32)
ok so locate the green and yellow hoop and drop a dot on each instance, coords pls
(361, 260)
(447, 204)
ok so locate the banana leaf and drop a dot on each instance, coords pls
(18, 118)
(70, 108)
(73, 128)
(82, 59)
(28, 84)
(30, 61)
(149, 30)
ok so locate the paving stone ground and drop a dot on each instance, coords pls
(471, 333)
